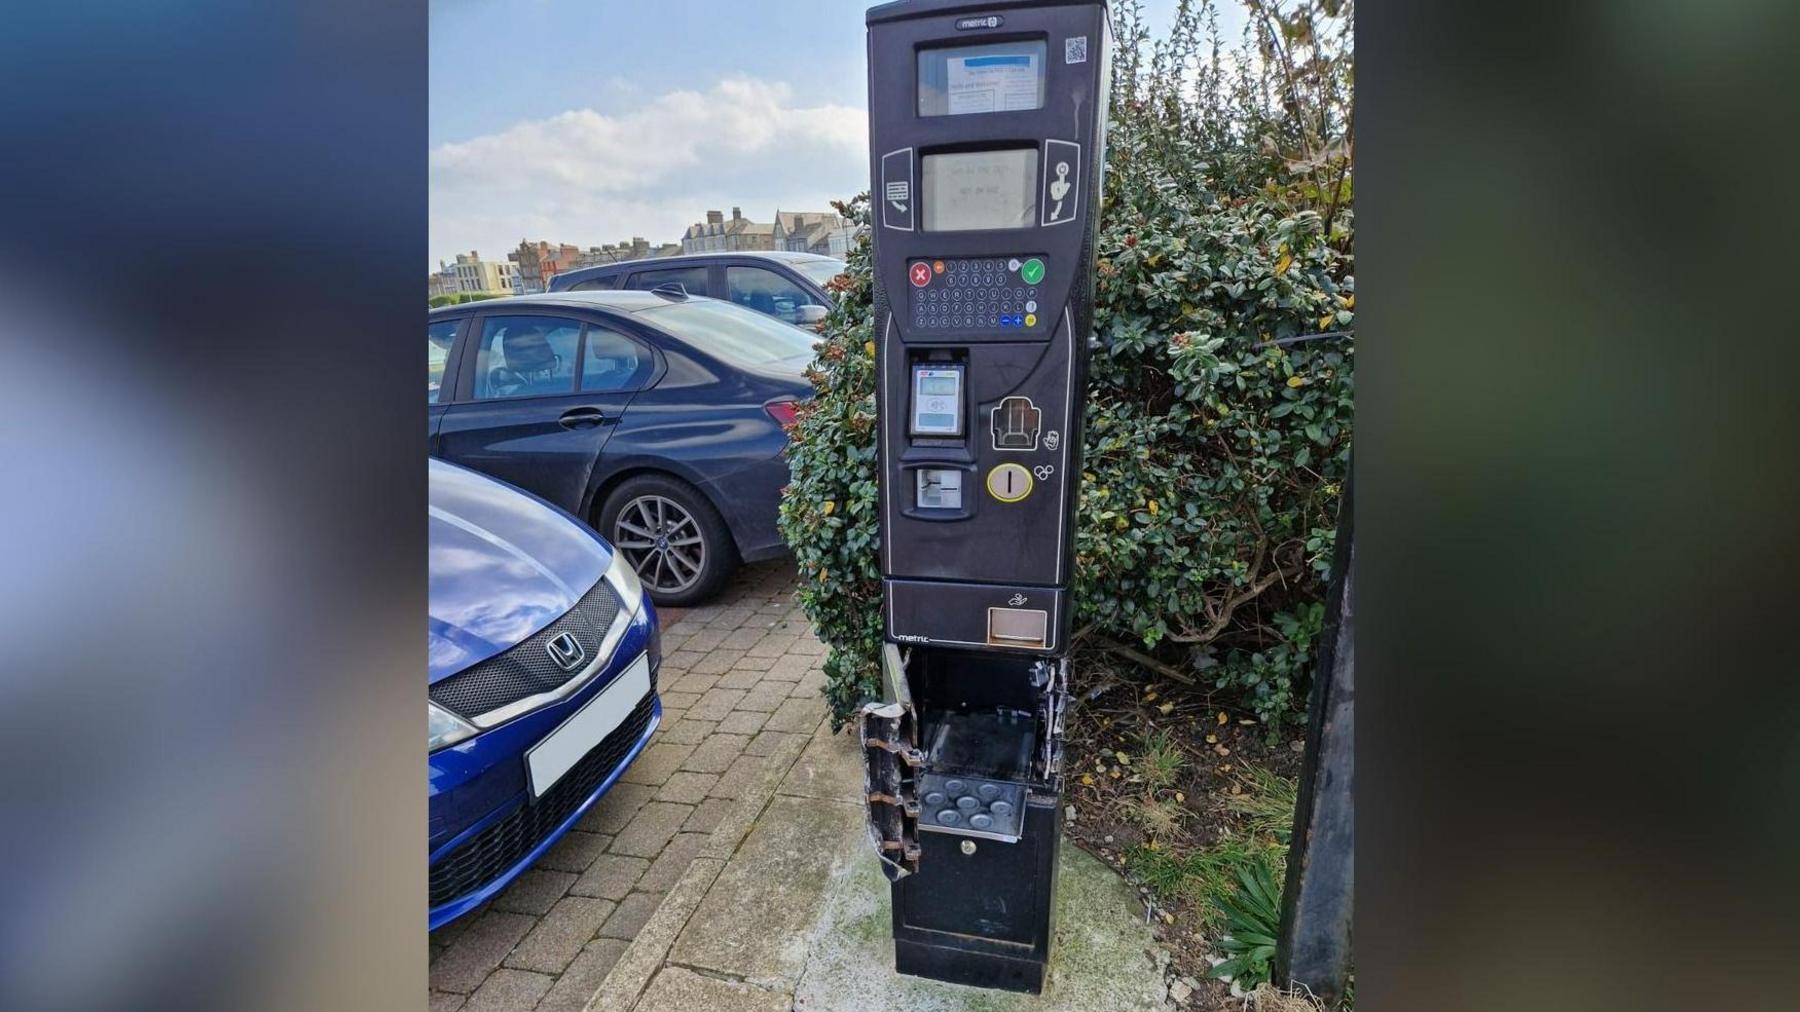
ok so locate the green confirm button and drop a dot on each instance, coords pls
(1032, 271)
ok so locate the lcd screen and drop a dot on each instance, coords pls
(1002, 77)
(980, 190)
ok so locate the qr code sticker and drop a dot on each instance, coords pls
(1075, 50)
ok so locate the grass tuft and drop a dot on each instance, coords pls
(1267, 803)
(1161, 762)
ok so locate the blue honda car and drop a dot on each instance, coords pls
(543, 659)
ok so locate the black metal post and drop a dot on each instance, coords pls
(1314, 948)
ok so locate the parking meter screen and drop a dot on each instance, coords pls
(972, 190)
(1004, 77)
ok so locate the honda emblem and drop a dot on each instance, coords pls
(566, 651)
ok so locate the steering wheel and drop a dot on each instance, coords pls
(505, 381)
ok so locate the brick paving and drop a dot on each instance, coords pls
(740, 680)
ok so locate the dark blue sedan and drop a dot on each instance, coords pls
(656, 417)
(543, 658)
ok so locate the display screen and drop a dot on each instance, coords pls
(937, 401)
(979, 190)
(1002, 77)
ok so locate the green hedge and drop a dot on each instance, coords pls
(1214, 457)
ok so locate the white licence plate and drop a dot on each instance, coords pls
(562, 748)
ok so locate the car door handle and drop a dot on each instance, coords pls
(582, 418)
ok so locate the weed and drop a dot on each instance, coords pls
(1161, 818)
(1252, 919)
(1267, 803)
(1161, 762)
(1196, 876)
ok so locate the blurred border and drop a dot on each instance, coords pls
(214, 484)
(1576, 496)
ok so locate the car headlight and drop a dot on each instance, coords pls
(447, 728)
(625, 582)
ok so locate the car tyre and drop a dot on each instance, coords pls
(672, 536)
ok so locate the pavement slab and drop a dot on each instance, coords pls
(633, 913)
(479, 949)
(679, 990)
(651, 829)
(534, 892)
(560, 936)
(830, 769)
(1104, 957)
(579, 982)
(754, 924)
(610, 877)
(509, 991)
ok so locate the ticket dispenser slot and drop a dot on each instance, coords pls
(987, 140)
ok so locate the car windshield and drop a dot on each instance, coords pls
(819, 271)
(742, 337)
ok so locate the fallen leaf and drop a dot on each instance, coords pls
(1212, 739)
(1087, 780)
(1222, 717)
(830, 506)
(1124, 760)
(1283, 264)
(1149, 695)
(1296, 381)
(1180, 797)
(1166, 708)
(1114, 773)
(1235, 789)
(869, 347)
(1222, 750)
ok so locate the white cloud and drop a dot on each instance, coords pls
(588, 178)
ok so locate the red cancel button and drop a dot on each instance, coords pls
(921, 274)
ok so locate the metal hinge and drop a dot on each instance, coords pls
(891, 764)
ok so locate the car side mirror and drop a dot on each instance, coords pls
(812, 316)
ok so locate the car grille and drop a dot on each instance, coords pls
(526, 669)
(489, 853)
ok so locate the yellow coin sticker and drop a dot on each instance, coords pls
(1009, 482)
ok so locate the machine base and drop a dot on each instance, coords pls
(979, 912)
(963, 966)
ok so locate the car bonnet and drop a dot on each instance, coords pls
(503, 565)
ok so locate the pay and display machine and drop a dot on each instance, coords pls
(987, 133)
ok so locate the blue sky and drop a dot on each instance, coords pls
(591, 121)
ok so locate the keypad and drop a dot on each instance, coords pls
(976, 294)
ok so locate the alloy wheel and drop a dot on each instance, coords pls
(662, 542)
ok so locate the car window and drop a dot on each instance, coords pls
(438, 338)
(767, 292)
(693, 279)
(819, 271)
(602, 284)
(526, 356)
(613, 362)
(736, 335)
